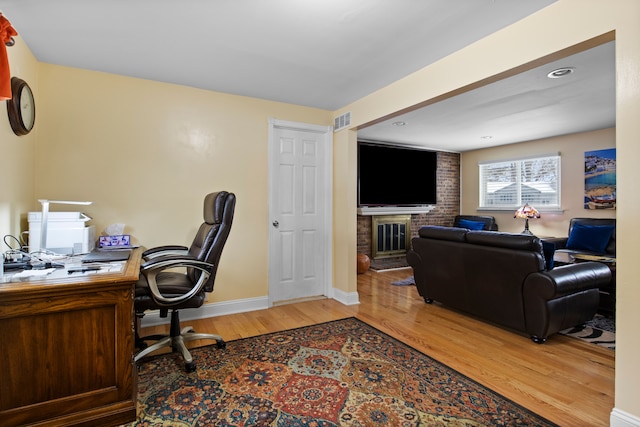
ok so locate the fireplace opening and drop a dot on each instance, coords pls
(390, 235)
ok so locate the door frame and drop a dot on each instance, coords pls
(327, 132)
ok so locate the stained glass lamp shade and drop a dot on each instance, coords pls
(527, 212)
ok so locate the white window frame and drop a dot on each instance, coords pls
(551, 202)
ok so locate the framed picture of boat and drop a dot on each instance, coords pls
(600, 179)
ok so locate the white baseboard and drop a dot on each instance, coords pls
(153, 318)
(623, 419)
(346, 298)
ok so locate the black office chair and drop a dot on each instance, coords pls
(163, 290)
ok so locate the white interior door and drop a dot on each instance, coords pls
(299, 210)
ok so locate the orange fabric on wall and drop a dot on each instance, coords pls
(6, 32)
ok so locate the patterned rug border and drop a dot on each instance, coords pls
(405, 364)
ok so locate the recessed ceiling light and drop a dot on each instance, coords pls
(560, 72)
(399, 123)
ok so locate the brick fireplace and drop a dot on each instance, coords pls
(447, 208)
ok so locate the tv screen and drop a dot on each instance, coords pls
(393, 175)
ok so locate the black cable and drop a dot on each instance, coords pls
(14, 254)
(14, 238)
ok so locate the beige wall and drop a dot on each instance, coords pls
(557, 27)
(571, 149)
(16, 152)
(146, 153)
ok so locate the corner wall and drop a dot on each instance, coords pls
(17, 178)
(146, 153)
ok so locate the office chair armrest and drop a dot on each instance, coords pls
(152, 268)
(165, 250)
(167, 261)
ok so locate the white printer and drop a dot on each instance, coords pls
(67, 233)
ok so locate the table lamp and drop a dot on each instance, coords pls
(45, 217)
(527, 212)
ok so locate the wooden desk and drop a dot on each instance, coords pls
(67, 347)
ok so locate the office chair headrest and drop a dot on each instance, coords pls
(214, 207)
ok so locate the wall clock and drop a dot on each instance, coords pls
(21, 108)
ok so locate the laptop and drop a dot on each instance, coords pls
(110, 255)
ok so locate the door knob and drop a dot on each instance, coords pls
(276, 224)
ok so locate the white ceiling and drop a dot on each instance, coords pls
(317, 53)
(525, 107)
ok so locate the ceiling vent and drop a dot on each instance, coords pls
(342, 121)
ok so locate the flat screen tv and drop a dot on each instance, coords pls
(394, 175)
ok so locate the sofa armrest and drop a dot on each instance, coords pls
(559, 242)
(566, 280)
(563, 297)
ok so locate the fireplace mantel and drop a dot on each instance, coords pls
(395, 210)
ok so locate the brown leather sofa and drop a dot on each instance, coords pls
(501, 278)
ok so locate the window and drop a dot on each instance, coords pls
(511, 184)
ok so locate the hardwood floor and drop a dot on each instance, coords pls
(565, 380)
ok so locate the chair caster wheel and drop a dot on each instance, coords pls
(190, 367)
(221, 344)
(428, 300)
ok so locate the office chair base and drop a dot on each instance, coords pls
(177, 343)
(176, 340)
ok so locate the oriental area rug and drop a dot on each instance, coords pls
(340, 373)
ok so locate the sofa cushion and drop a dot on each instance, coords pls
(593, 238)
(521, 242)
(611, 246)
(443, 233)
(471, 225)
